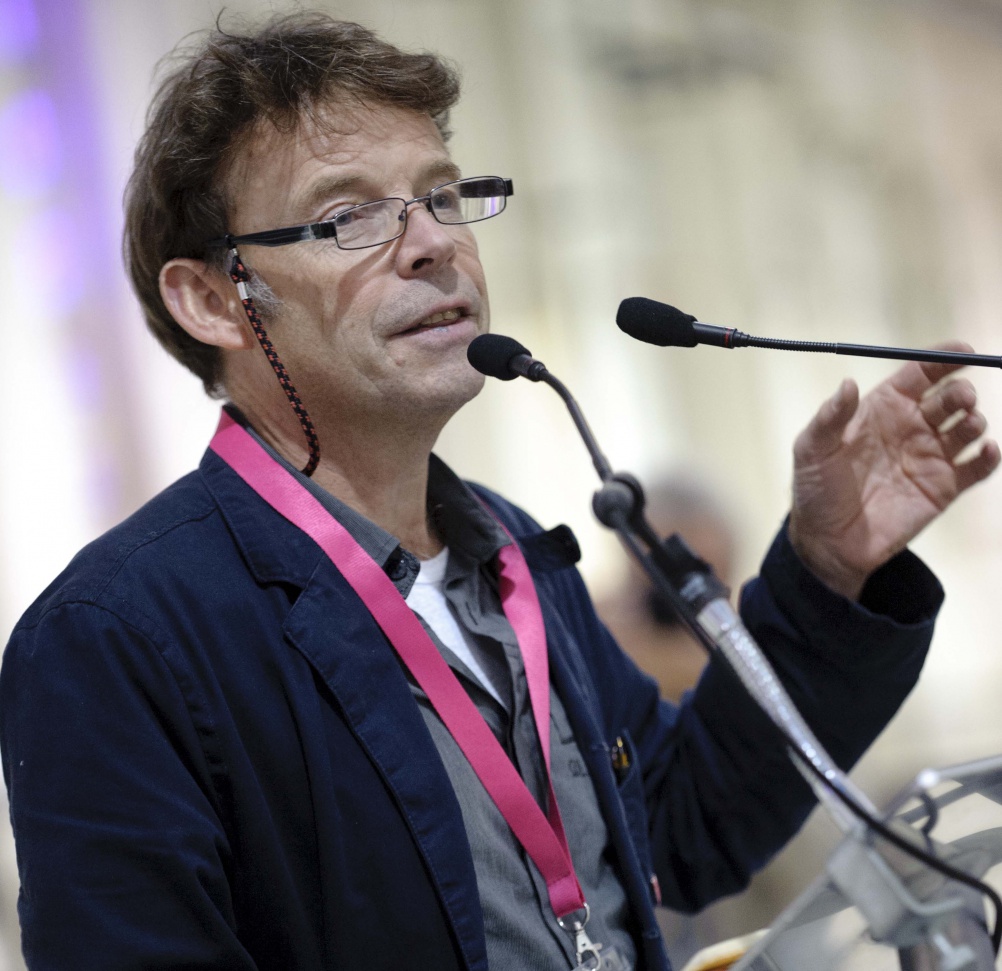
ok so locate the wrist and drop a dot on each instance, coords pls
(818, 557)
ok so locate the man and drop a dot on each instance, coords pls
(227, 740)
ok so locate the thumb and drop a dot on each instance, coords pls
(823, 435)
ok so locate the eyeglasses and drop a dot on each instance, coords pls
(378, 222)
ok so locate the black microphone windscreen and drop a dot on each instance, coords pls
(490, 354)
(656, 323)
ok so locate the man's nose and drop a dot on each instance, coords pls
(426, 242)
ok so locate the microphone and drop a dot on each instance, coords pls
(667, 326)
(503, 357)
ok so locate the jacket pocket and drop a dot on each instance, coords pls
(626, 768)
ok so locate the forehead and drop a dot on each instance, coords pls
(283, 174)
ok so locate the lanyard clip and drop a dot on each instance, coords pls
(585, 949)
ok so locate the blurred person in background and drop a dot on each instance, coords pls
(322, 704)
(642, 619)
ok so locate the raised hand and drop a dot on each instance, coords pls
(870, 474)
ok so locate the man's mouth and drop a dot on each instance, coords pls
(438, 320)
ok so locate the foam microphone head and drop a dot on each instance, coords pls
(656, 323)
(491, 354)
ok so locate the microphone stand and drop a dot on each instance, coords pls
(866, 877)
(699, 597)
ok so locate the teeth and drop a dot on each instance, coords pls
(441, 318)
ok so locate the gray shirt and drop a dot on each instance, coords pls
(520, 925)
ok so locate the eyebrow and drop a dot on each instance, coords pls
(330, 186)
(326, 188)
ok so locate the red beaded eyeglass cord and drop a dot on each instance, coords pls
(240, 276)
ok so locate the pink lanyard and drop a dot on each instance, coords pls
(542, 836)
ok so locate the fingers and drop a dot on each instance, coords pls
(960, 434)
(950, 408)
(946, 400)
(979, 467)
(915, 378)
(824, 433)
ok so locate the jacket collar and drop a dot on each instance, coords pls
(275, 549)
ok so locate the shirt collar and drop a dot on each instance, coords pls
(464, 524)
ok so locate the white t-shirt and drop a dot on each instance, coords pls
(427, 600)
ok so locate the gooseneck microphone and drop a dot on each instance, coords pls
(667, 326)
(503, 357)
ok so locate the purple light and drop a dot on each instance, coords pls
(104, 481)
(30, 150)
(85, 379)
(47, 262)
(18, 29)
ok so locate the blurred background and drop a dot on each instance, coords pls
(814, 169)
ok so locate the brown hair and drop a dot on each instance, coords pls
(216, 94)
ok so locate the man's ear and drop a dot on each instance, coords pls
(205, 303)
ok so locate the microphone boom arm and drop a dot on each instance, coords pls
(601, 463)
(737, 338)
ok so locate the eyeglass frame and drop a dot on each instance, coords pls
(325, 228)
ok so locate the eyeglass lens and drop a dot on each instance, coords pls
(465, 201)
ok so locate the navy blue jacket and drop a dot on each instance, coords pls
(214, 760)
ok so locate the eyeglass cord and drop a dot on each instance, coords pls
(240, 276)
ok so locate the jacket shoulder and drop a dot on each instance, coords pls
(135, 540)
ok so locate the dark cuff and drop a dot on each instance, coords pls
(900, 600)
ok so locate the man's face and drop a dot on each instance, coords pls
(376, 334)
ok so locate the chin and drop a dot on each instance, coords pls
(461, 393)
(449, 393)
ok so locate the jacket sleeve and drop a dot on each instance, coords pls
(722, 794)
(121, 853)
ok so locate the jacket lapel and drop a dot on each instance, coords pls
(332, 629)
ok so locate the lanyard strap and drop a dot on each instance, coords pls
(541, 835)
